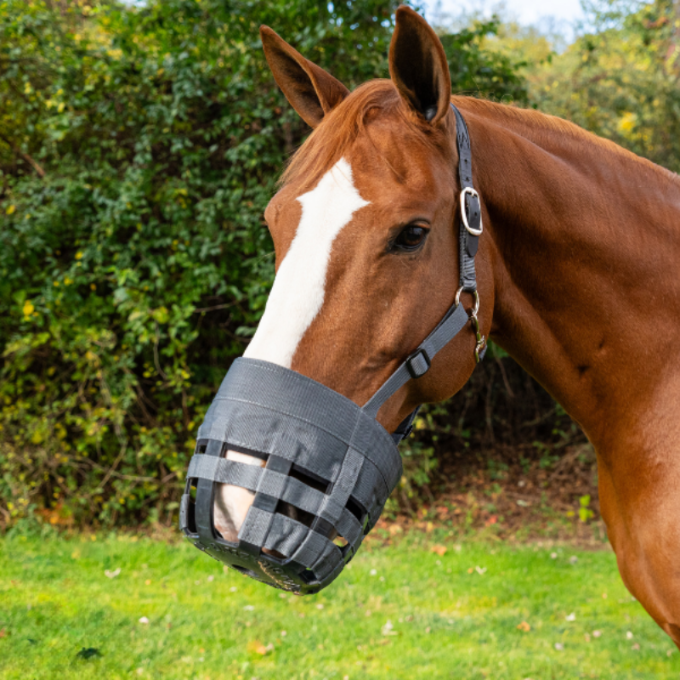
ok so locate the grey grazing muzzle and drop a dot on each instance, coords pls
(329, 464)
(324, 456)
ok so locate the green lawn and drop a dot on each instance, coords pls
(399, 611)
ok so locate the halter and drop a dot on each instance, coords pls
(329, 464)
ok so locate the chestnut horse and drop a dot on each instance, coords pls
(577, 276)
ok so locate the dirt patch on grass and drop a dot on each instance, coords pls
(510, 497)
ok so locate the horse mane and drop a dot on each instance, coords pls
(537, 125)
(341, 127)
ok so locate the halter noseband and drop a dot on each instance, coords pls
(329, 464)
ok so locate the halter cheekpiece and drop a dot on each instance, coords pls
(329, 466)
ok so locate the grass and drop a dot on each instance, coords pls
(450, 616)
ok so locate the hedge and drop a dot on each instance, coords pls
(139, 145)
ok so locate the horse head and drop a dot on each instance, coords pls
(366, 231)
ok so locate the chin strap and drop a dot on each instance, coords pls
(456, 318)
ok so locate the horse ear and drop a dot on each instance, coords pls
(310, 90)
(418, 66)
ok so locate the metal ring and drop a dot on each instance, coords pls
(471, 192)
(475, 293)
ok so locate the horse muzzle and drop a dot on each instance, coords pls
(328, 468)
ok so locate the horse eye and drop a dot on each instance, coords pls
(411, 237)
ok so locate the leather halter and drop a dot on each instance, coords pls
(418, 362)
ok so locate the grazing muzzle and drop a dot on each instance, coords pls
(325, 457)
(329, 464)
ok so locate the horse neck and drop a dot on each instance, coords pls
(585, 246)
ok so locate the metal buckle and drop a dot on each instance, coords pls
(411, 369)
(476, 296)
(469, 191)
(480, 345)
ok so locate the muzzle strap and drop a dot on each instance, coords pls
(470, 206)
(452, 324)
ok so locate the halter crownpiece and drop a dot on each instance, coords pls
(329, 464)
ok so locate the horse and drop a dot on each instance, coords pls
(576, 272)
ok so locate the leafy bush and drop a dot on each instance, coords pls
(139, 146)
(620, 80)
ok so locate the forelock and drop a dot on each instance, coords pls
(331, 140)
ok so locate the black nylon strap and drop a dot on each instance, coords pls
(406, 426)
(470, 206)
(456, 318)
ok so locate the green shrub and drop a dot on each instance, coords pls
(139, 146)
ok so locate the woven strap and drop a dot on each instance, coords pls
(468, 243)
(418, 363)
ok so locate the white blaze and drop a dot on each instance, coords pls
(299, 287)
(295, 300)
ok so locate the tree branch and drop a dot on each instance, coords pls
(32, 162)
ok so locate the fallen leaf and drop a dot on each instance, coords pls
(636, 647)
(524, 627)
(439, 549)
(387, 629)
(570, 617)
(144, 620)
(492, 520)
(4, 633)
(480, 570)
(559, 646)
(597, 633)
(112, 574)
(257, 647)
(395, 529)
(629, 635)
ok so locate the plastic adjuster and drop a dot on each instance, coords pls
(418, 364)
